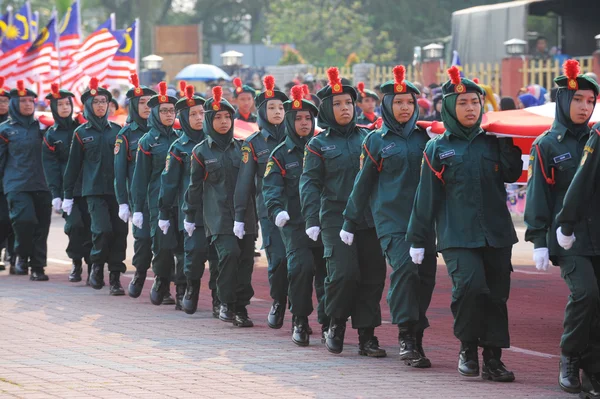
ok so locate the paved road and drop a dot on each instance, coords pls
(67, 340)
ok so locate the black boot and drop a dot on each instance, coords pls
(190, 298)
(37, 274)
(216, 304)
(159, 289)
(12, 259)
(300, 334)
(75, 275)
(179, 293)
(590, 385)
(168, 299)
(21, 267)
(409, 351)
(227, 313)
(97, 276)
(334, 340)
(425, 362)
(276, 315)
(136, 285)
(493, 369)
(324, 329)
(116, 289)
(368, 344)
(89, 267)
(468, 360)
(568, 375)
(241, 318)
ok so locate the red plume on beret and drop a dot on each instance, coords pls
(162, 88)
(269, 82)
(189, 91)
(399, 74)
(571, 69)
(20, 85)
(333, 74)
(361, 89)
(217, 92)
(93, 83)
(54, 89)
(306, 91)
(135, 80)
(182, 85)
(476, 81)
(297, 93)
(237, 82)
(454, 74)
(105, 87)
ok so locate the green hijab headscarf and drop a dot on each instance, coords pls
(564, 97)
(326, 118)
(451, 122)
(387, 114)
(134, 115)
(290, 129)
(276, 131)
(184, 120)
(99, 123)
(64, 123)
(155, 123)
(15, 113)
(222, 140)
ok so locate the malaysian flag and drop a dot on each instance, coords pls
(124, 63)
(35, 21)
(69, 39)
(15, 42)
(4, 22)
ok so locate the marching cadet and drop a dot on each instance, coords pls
(388, 179)
(153, 148)
(282, 200)
(55, 155)
(355, 274)
(126, 147)
(244, 98)
(6, 236)
(255, 154)
(214, 173)
(27, 195)
(92, 156)
(175, 180)
(462, 191)
(553, 162)
(367, 101)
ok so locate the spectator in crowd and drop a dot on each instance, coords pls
(507, 104)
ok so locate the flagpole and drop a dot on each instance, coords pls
(31, 38)
(78, 2)
(57, 45)
(113, 21)
(138, 26)
(36, 18)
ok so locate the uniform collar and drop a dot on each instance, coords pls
(560, 131)
(265, 133)
(133, 125)
(291, 145)
(211, 141)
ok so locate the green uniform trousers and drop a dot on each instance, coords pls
(276, 260)
(78, 227)
(30, 213)
(142, 244)
(213, 268)
(236, 263)
(167, 251)
(580, 335)
(480, 288)
(5, 228)
(196, 253)
(355, 277)
(109, 232)
(411, 286)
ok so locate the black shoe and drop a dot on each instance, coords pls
(116, 289)
(242, 319)
(89, 267)
(409, 352)
(493, 369)
(190, 298)
(159, 290)
(468, 360)
(2, 267)
(300, 334)
(226, 313)
(75, 275)
(37, 274)
(368, 344)
(97, 276)
(21, 267)
(276, 315)
(216, 308)
(168, 299)
(590, 385)
(179, 293)
(324, 329)
(136, 285)
(425, 362)
(256, 254)
(568, 375)
(12, 270)
(334, 340)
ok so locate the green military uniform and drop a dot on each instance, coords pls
(461, 196)
(355, 274)
(255, 154)
(127, 141)
(554, 183)
(55, 155)
(366, 119)
(388, 179)
(239, 89)
(153, 148)
(5, 229)
(92, 156)
(214, 173)
(305, 261)
(25, 188)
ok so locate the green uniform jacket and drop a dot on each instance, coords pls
(175, 180)
(125, 156)
(387, 181)
(469, 205)
(561, 153)
(55, 155)
(255, 154)
(331, 163)
(214, 174)
(94, 151)
(21, 157)
(251, 118)
(363, 120)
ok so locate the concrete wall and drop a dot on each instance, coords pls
(180, 46)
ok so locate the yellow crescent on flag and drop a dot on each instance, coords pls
(25, 23)
(65, 24)
(44, 35)
(128, 43)
(2, 27)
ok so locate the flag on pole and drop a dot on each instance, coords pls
(123, 63)
(16, 40)
(69, 39)
(5, 21)
(35, 20)
(41, 58)
(456, 61)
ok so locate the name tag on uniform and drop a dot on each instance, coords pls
(184, 153)
(328, 148)
(562, 158)
(263, 152)
(209, 161)
(388, 147)
(447, 154)
(155, 144)
(87, 139)
(292, 165)
(134, 142)
(12, 132)
(58, 142)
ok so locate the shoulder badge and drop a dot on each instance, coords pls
(167, 161)
(268, 169)
(118, 146)
(362, 159)
(245, 157)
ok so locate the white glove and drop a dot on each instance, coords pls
(164, 225)
(417, 255)
(124, 213)
(138, 219)
(238, 229)
(67, 206)
(347, 238)
(189, 227)
(541, 258)
(281, 219)
(57, 205)
(313, 232)
(564, 241)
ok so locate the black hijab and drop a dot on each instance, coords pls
(326, 118)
